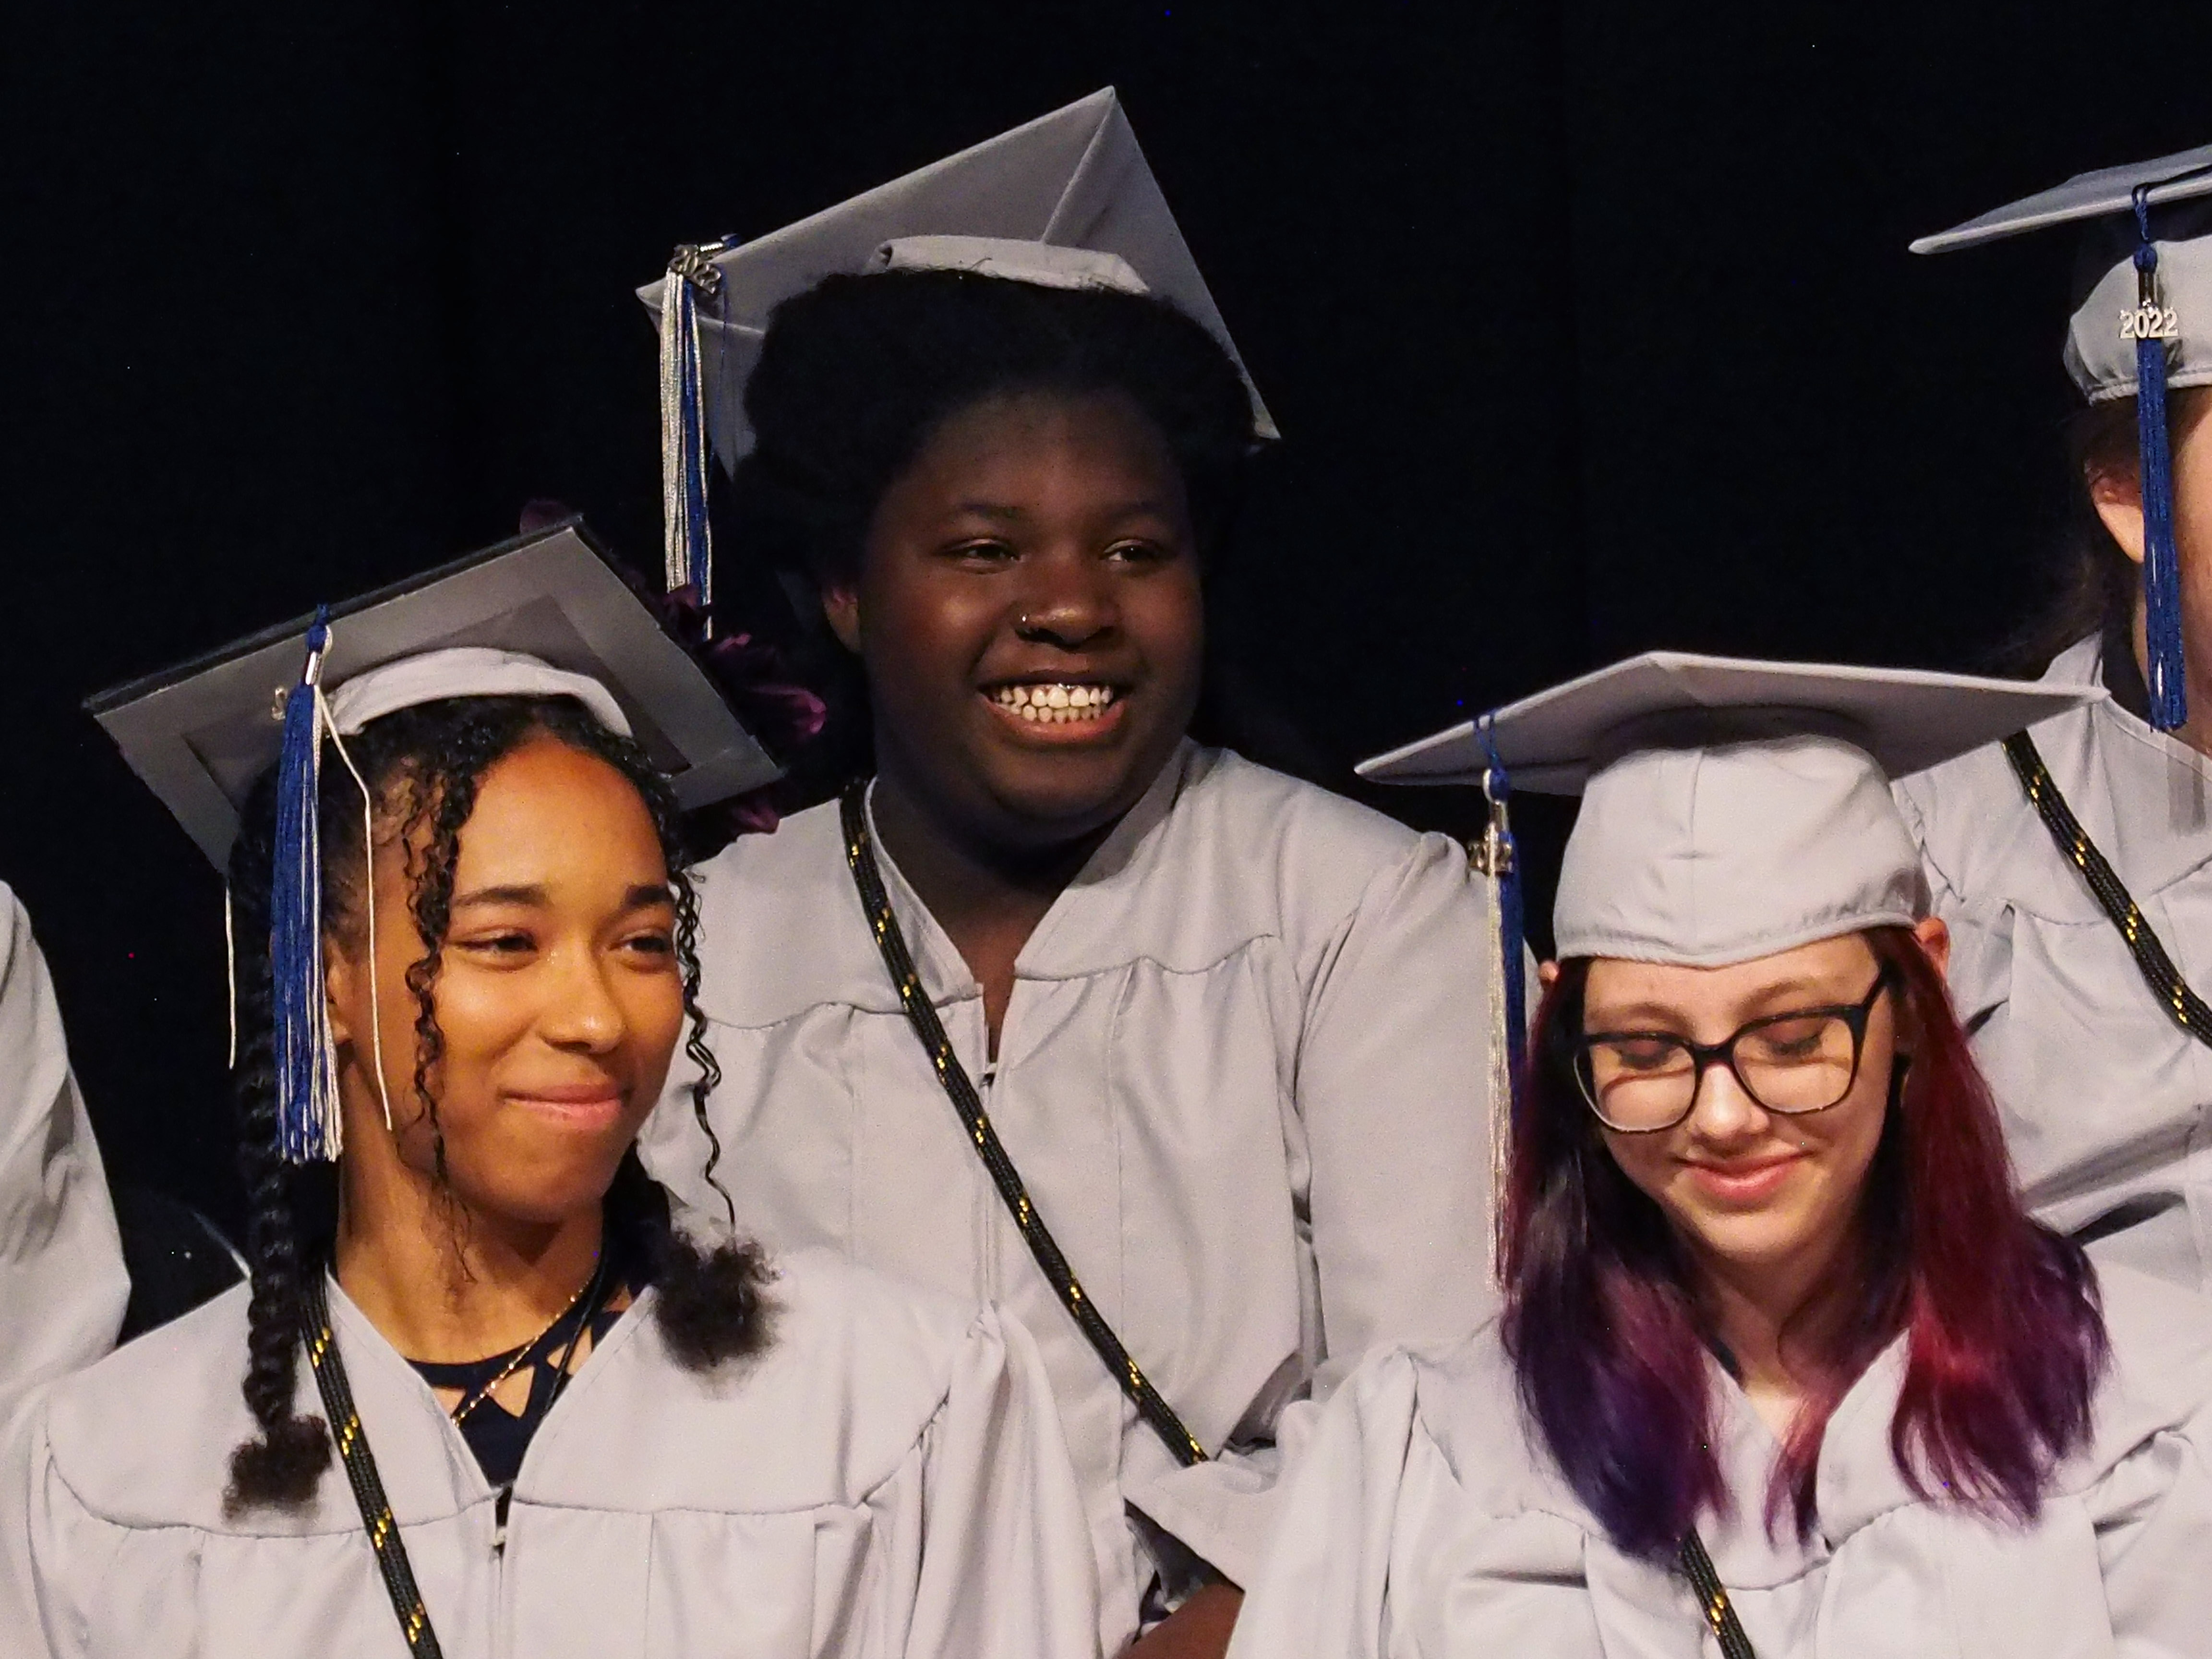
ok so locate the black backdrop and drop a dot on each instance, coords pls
(1590, 322)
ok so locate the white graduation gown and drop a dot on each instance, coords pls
(1242, 1075)
(1420, 1522)
(886, 1480)
(2107, 1103)
(62, 1281)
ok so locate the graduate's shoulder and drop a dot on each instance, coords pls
(2158, 1378)
(144, 1435)
(1238, 807)
(1972, 817)
(780, 929)
(854, 1370)
(1254, 852)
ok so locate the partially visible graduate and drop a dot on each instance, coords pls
(61, 1282)
(1784, 1367)
(481, 1396)
(2073, 864)
(1182, 1059)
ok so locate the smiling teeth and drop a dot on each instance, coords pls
(1056, 705)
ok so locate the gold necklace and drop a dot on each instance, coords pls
(472, 1401)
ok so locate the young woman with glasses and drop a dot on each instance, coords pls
(1782, 1364)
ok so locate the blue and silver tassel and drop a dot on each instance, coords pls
(1497, 858)
(309, 1127)
(2151, 327)
(687, 543)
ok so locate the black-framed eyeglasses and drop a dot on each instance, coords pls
(1803, 1060)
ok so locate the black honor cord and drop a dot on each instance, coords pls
(1713, 1599)
(2183, 1005)
(859, 853)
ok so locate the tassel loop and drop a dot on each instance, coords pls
(687, 541)
(2167, 677)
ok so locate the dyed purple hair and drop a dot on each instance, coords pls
(2005, 1340)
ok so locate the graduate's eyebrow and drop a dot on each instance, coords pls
(1141, 507)
(643, 896)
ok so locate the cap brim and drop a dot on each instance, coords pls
(1907, 719)
(200, 734)
(2178, 178)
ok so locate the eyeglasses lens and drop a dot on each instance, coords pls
(1799, 1064)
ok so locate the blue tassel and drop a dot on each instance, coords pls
(687, 541)
(2168, 676)
(307, 1119)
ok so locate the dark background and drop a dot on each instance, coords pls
(1589, 323)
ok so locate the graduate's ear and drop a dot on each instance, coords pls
(1547, 974)
(1934, 934)
(840, 608)
(2117, 494)
(342, 983)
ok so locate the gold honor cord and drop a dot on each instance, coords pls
(361, 1473)
(2185, 1008)
(1713, 1599)
(859, 854)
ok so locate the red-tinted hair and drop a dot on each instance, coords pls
(2005, 1340)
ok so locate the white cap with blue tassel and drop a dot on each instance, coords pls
(545, 615)
(2144, 325)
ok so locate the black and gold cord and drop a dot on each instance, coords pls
(1713, 1599)
(859, 854)
(2185, 1008)
(391, 1561)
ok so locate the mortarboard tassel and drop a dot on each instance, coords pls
(2152, 327)
(687, 543)
(1497, 859)
(308, 1127)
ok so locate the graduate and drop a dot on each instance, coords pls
(61, 1282)
(1784, 1368)
(2074, 863)
(1183, 1061)
(482, 1397)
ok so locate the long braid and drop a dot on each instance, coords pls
(282, 1465)
(713, 1305)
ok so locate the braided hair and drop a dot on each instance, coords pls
(423, 766)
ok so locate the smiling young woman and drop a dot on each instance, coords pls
(535, 1416)
(1180, 1058)
(1783, 1362)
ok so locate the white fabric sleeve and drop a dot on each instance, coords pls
(1006, 1568)
(2153, 1515)
(1392, 1089)
(40, 1538)
(62, 1280)
(1322, 1592)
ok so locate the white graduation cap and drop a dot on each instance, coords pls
(1731, 809)
(1064, 201)
(2143, 325)
(545, 614)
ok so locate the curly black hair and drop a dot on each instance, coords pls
(422, 766)
(857, 372)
